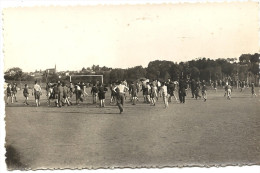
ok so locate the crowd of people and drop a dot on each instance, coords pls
(61, 93)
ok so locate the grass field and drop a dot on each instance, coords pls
(217, 132)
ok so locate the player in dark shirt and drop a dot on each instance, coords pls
(182, 90)
(56, 94)
(197, 90)
(253, 89)
(26, 94)
(94, 91)
(14, 91)
(102, 94)
(8, 93)
(133, 90)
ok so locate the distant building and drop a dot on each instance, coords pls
(51, 70)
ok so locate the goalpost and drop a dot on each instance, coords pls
(87, 75)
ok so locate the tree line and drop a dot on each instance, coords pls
(246, 67)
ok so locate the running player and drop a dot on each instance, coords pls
(153, 94)
(215, 86)
(159, 89)
(120, 89)
(193, 88)
(145, 91)
(204, 92)
(14, 91)
(37, 91)
(170, 90)
(26, 94)
(8, 93)
(148, 92)
(253, 89)
(113, 93)
(164, 94)
(102, 94)
(197, 90)
(133, 90)
(182, 90)
(71, 90)
(175, 87)
(94, 91)
(60, 94)
(226, 90)
(78, 93)
(84, 89)
(229, 90)
(56, 94)
(66, 94)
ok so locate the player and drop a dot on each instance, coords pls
(94, 91)
(14, 91)
(182, 90)
(56, 94)
(60, 94)
(113, 93)
(153, 94)
(253, 89)
(229, 90)
(133, 90)
(26, 94)
(204, 92)
(66, 91)
(215, 86)
(193, 88)
(37, 91)
(197, 90)
(78, 93)
(164, 94)
(148, 92)
(8, 93)
(120, 90)
(84, 89)
(102, 94)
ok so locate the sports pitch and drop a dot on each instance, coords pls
(216, 132)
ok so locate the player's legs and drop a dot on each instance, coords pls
(103, 102)
(7, 99)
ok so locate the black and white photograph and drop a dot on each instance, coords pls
(131, 85)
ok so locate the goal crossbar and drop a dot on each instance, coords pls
(88, 75)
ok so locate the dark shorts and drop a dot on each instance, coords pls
(59, 96)
(56, 96)
(134, 94)
(37, 95)
(113, 93)
(65, 95)
(153, 94)
(101, 96)
(8, 94)
(25, 94)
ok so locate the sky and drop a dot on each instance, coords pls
(122, 36)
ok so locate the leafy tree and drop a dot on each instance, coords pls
(135, 73)
(244, 59)
(227, 68)
(195, 73)
(14, 73)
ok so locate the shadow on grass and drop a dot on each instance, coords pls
(12, 160)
